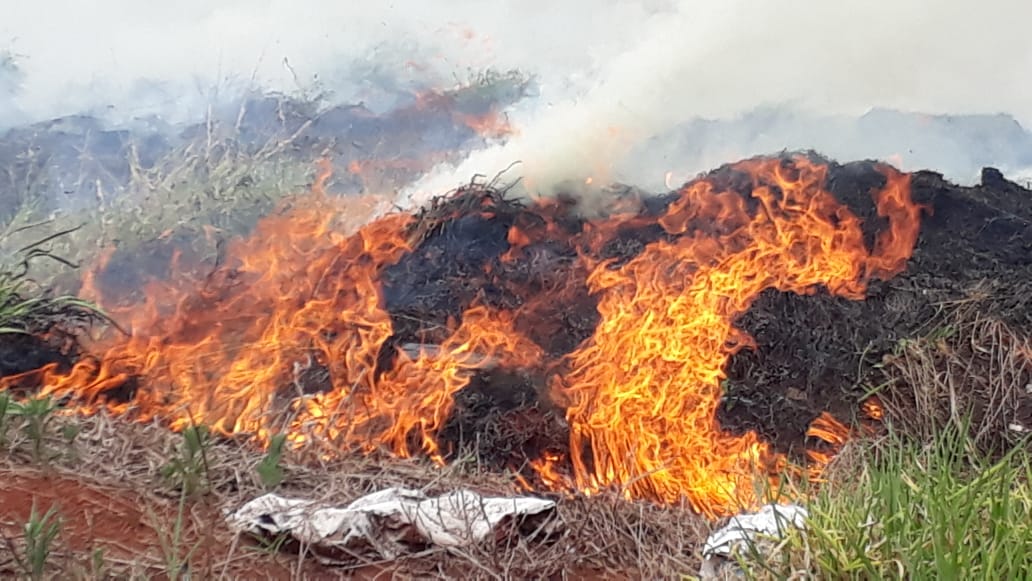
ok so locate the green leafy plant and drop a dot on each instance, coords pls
(33, 419)
(37, 414)
(269, 469)
(188, 471)
(40, 533)
(32, 416)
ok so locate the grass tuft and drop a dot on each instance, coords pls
(907, 510)
(969, 372)
(40, 533)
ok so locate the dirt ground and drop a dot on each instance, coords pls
(109, 493)
(133, 532)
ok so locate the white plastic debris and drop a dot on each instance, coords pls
(392, 522)
(745, 531)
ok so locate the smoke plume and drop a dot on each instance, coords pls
(617, 79)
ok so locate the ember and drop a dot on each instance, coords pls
(353, 338)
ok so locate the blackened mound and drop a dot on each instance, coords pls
(820, 352)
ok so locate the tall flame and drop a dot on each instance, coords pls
(643, 392)
(302, 297)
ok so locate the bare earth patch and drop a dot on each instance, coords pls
(112, 500)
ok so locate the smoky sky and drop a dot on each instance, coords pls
(611, 74)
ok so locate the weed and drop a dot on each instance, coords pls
(189, 473)
(40, 533)
(177, 557)
(24, 306)
(5, 421)
(97, 564)
(33, 416)
(269, 469)
(916, 511)
(189, 470)
(37, 414)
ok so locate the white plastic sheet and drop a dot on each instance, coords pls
(743, 530)
(391, 522)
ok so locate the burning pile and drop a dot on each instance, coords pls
(383, 338)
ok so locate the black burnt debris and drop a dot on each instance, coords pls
(39, 329)
(817, 353)
(813, 353)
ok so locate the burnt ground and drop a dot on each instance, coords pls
(821, 352)
(813, 353)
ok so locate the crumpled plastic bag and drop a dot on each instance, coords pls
(743, 530)
(393, 522)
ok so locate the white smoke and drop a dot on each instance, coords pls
(612, 73)
(139, 57)
(720, 60)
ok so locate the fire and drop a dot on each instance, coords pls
(490, 125)
(415, 396)
(643, 392)
(828, 429)
(220, 356)
(873, 409)
(833, 433)
(291, 334)
(547, 468)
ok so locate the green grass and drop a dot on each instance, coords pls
(26, 310)
(270, 469)
(40, 533)
(37, 544)
(908, 510)
(26, 306)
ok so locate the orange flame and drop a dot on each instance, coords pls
(829, 430)
(873, 409)
(415, 397)
(491, 125)
(547, 469)
(643, 392)
(833, 433)
(302, 298)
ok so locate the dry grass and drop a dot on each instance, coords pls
(214, 183)
(972, 372)
(605, 536)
